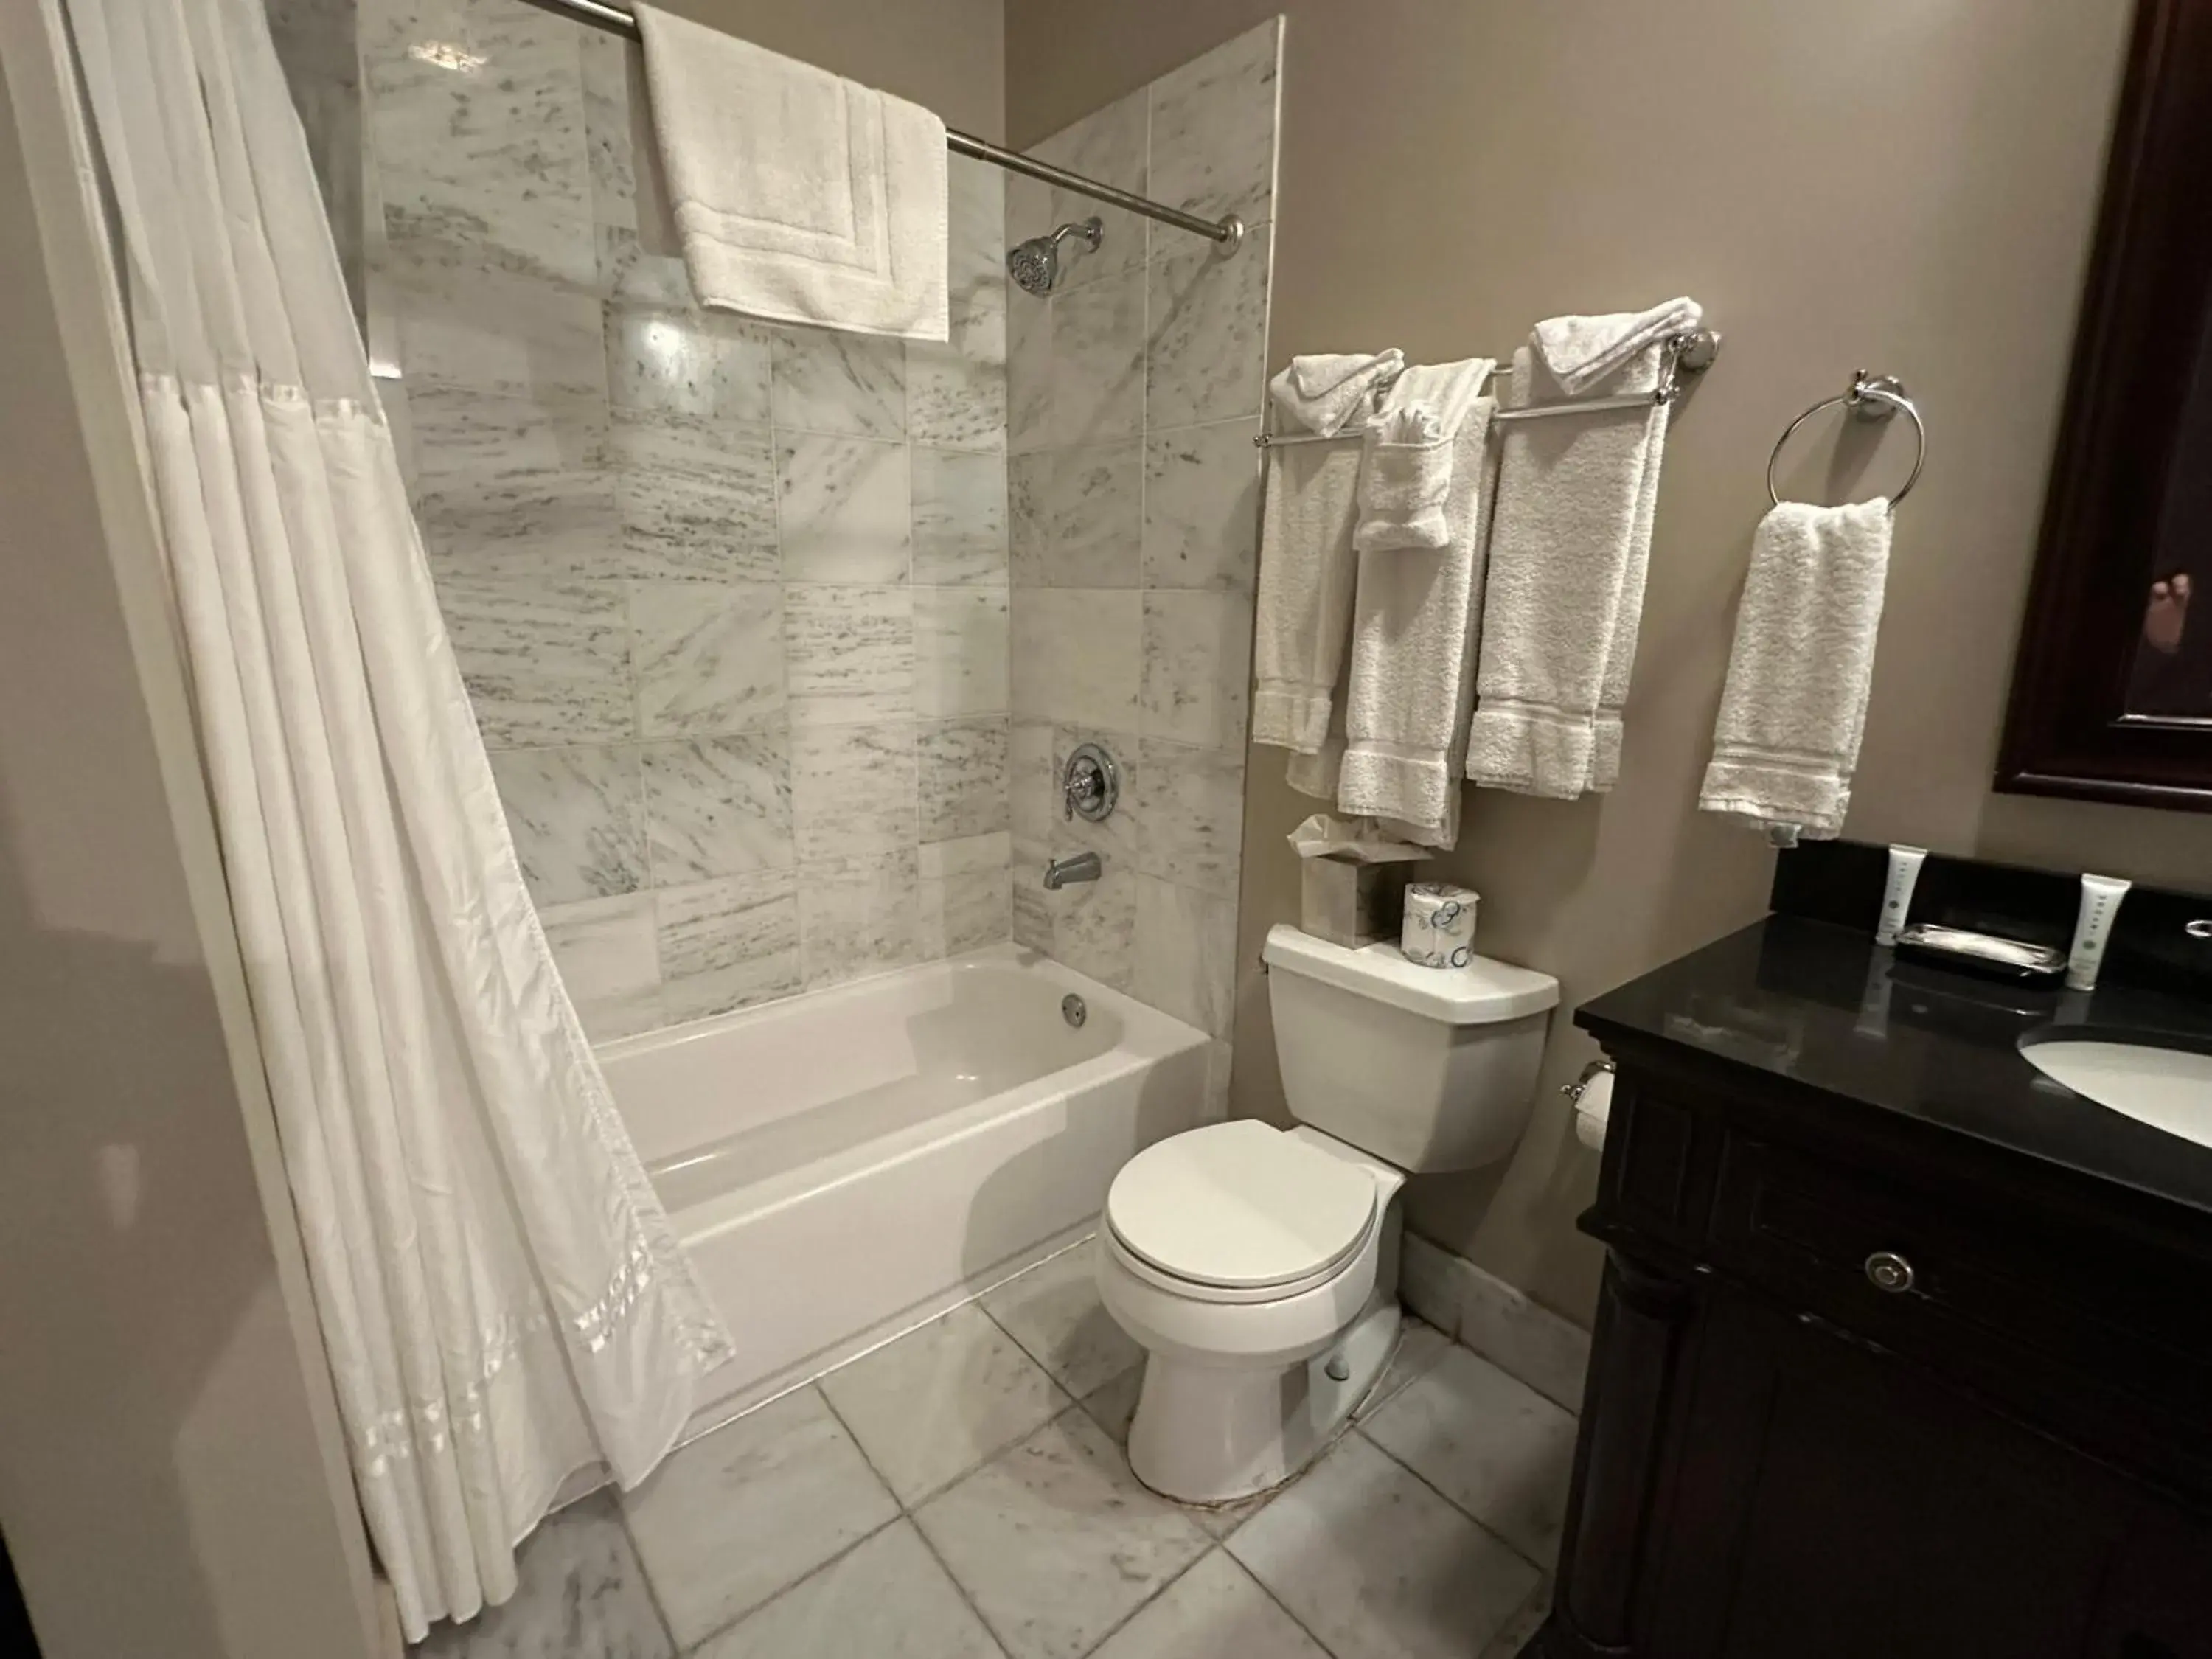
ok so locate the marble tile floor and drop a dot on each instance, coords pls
(962, 1494)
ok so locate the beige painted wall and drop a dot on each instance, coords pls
(945, 54)
(1906, 184)
(171, 1481)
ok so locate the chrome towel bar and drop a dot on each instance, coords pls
(1685, 353)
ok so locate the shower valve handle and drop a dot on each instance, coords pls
(1090, 784)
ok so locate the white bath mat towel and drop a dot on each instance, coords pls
(798, 195)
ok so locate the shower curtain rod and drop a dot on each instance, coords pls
(1228, 232)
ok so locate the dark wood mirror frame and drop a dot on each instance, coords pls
(2146, 310)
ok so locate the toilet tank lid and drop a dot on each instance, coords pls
(1480, 993)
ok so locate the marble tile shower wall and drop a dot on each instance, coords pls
(1133, 501)
(730, 600)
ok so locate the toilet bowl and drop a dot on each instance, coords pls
(1257, 1267)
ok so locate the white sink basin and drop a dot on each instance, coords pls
(2169, 1089)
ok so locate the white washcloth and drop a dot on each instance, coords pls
(1405, 472)
(1799, 673)
(1580, 351)
(1446, 391)
(1416, 617)
(1575, 494)
(798, 195)
(1322, 391)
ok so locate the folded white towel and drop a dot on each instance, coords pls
(798, 195)
(1788, 736)
(1302, 616)
(1324, 390)
(1580, 351)
(1446, 391)
(1416, 617)
(1405, 472)
(1565, 585)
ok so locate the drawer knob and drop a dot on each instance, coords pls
(1887, 1271)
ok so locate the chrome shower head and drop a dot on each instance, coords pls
(1036, 263)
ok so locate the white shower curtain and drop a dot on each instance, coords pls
(500, 1295)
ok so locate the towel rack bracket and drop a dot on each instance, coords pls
(1699, 350)
(1876, 397)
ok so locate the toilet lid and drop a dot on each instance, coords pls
(1241, 1204)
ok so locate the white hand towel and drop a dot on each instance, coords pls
(1324, 390)
(1302, 616)
(799, 195)
(1799, 673)
(1565, 586)
(1415, 620)
(1580, 351)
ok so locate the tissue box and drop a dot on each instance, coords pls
(1351, 902)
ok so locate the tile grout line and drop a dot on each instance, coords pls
(1212, 1546)
(1458, 1509)
(637, 1556)
(1267, 1591)
(906, 1512)
(777, 1594)
(953, 1579)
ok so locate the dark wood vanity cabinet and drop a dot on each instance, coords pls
(1859, 1389)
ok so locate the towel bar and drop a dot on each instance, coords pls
(1685, 353)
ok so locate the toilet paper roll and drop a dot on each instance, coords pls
(1439, 927)
(1593, 1111)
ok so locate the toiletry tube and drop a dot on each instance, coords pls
(2092, 926)
(1439, 925)
(1905, 864)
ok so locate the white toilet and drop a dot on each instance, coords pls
(1259, 1267)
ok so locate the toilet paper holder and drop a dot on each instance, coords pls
(1580, 1086)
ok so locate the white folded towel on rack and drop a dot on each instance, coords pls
(798, 195)
(1316, 774)
(1416, 616)
(1324, 390)
(1405, 472)
(1580, 351)
(1302, 616)
(1799, 673)
(1575, 494)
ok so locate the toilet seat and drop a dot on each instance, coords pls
(1239, 1212)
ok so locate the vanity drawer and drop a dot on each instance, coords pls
(2062, 1322)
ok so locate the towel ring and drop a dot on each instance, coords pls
(1877, 399)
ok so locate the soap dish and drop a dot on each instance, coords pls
(2010, 959)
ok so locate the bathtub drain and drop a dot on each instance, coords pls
(1073, 1010)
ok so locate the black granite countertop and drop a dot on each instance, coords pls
(1824, 1006)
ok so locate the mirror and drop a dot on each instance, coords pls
(2170, 675)
(2111, 694)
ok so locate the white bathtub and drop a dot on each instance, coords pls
(848, 1162)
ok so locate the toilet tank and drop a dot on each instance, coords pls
(1427, 1068)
